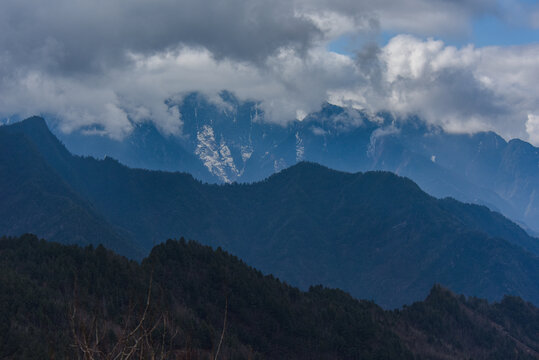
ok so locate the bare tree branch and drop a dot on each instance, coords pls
(223, 332)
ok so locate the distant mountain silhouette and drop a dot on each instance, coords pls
(374, 234)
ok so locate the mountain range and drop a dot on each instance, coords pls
(375, 234)
(230, 141)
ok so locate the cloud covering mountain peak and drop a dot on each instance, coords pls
(102, 66)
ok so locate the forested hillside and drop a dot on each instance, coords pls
(54, 299)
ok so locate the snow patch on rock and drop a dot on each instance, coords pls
(300, 148)
(216, 157)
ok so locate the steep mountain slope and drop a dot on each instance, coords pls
(34, 198)
(52, 295)
(375, 234)
(144, 148)
(226, 140)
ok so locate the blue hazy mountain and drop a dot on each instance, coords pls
(229, 141)
(374, 234)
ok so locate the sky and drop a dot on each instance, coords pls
(464, 65)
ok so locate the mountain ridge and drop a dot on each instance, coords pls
(374, 234)
(230, 141)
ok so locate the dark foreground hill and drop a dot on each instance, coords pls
(375, 235)
(56, 300)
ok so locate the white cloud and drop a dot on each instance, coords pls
(421, 17)
(532, 127)
(462, 89)
(74, 103)
(287, 85)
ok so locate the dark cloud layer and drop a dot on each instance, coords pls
(80, 35)
(85, 36)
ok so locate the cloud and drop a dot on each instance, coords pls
(419, 17)
(101, 65)
(288, 84)
(461, 89)
(532, 127)
(96, 35)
